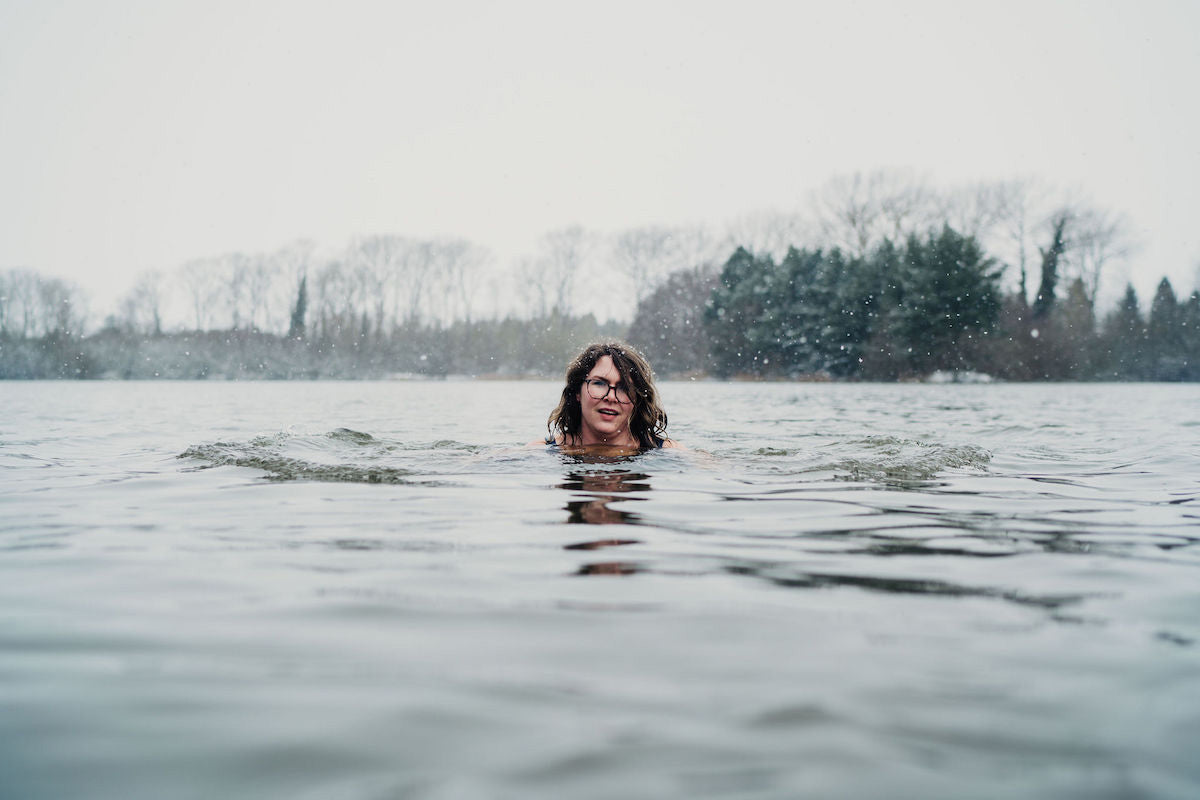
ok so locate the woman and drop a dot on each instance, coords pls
(609, 402)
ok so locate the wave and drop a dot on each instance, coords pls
(888, 459)
(892, 458)
(348, 456)
(342, 455)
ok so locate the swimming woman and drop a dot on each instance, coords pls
(609, 403)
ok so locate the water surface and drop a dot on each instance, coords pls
(370, 590)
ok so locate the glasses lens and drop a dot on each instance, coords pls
(599, 390)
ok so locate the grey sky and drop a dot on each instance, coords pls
(137, 135)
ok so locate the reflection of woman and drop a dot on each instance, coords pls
(609, 401)
(593, 492)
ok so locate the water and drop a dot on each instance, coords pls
(368, 590)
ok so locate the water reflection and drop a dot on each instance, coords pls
(600, 489)
(783, 575)
(592, 507)
(609, 568)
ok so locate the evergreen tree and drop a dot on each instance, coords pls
(296, 328)
(1123, 339)
(844, 287)
(1050, 257)
(1165, 357)
(803, 337)
(948, 296)
(669, 324)
(882, 357)
(1189, 332)
(744, 299)
(1072, 334)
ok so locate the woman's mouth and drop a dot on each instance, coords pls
(608, 412)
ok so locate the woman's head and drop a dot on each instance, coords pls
(605, 412)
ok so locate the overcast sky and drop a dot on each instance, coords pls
(138, 135)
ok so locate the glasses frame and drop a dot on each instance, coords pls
(616, 393)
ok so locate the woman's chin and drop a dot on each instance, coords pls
(610, 435)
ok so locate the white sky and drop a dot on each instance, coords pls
(138, 135)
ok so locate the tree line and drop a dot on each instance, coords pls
(881, 278)
(934, 304)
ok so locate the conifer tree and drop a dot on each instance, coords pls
(1166, 361)
(736, 310)
(1123, 339)
(296, 328)
(948, 298)
(1050, 257)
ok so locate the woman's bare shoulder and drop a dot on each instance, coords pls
(545, 442)
(673, 444)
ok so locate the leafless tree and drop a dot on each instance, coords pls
(18, 303)
(235, 270)
(262, 274)
(532, 283)
(645, 255)
(416, 271)
(767, 233)
(60, 308)
(855, 212)
(1101, 240)
(141, 307)
(341, 300)
(700, 248)
(977, 209)
(1015, 218)
(291, 263)
(549, 277)
(377, 263)
(458, 267)
(201, 281)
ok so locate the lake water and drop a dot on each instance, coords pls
(369, 590)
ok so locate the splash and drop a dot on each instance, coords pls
(341, 456)
(890, 458)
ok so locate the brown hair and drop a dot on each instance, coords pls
(647, 423)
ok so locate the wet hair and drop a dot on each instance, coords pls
(647, 423)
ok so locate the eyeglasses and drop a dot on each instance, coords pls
(599, 389)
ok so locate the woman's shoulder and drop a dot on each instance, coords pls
(549, 441)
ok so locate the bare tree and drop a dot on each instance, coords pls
(530, 275)
(338, 300)
(1026, 212)
(1101, 239)
(235, 271)
(649, 255)
(292, 263)
(699, 247)
(855, 212)
(550, 276)
(767, 233)
(18, 303)
(261, 275)
(218, 289)
(977, 209)
(141, 307)
(378, 263)
(61, 308)
(416, 270)
(459, 263)
(645, 256)
(201, 281)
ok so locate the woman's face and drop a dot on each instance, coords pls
(605, 421)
